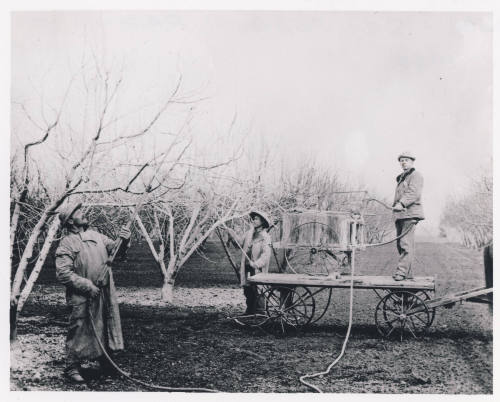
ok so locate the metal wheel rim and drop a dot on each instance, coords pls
(401, 313)
(288, 310)
(425, 297)
(309, 301)
(320, 310)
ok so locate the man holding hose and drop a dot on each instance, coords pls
(407, 211)
(81, 266)
(256, 254)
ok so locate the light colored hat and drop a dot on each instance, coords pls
(406, 154)
(66, 213)
(263, 216)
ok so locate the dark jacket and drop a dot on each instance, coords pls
(409, 194)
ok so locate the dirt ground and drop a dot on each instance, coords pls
(192, 343)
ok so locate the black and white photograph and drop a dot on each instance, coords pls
(278, 197)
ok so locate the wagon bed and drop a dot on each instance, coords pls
(360, 281)
(290, 299)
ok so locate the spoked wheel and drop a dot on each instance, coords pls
(309, 301)
(290, 307)
(425, 297)
(401, 313)
(308, 252)
(322, 299)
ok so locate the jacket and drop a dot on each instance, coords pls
(259, 250)
(409, 194)
(80, 260)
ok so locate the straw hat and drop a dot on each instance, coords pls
(263, 216)
(66, 213)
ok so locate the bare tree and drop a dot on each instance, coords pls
(20, 182)
(472, 214)
(178, 223)
(105, 157)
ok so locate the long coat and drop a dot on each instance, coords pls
(80, 261)
(409, 194)
(258, 249)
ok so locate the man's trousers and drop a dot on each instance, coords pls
(405, 245)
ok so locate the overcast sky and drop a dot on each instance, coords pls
(351, 88)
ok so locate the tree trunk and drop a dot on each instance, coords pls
(167, 290)
(15, 220)
(54, 226)
(13, 228)
(23, 264)
(16, 285)
(13, 322)
(28, 252)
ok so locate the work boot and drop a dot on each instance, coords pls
(398, 276)
(72, 373)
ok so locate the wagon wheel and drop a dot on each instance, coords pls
(260, 317)
(322, 303)
(425, 297)
(402, 312)
(311, 256)
(290, 307)
(309, 301)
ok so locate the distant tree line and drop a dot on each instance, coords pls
(471, 215)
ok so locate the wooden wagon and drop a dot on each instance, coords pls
(318, 254)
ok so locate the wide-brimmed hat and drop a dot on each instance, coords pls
(263, 216)
(406, 154)
(67, 212)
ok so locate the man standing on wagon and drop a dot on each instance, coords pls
(256, 255)
(81, 266)
(407, 211)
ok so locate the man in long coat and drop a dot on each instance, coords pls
(81, 266)
(407, 211)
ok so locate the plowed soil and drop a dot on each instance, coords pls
(193, 343)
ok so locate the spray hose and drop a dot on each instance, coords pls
(106, 269)
(344, 345)
(126, 375)
(393, 240)
(302, 379)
